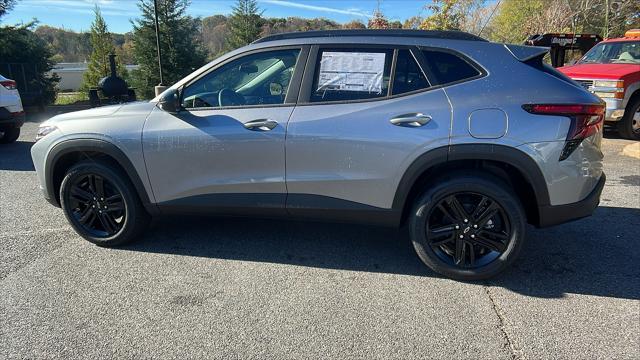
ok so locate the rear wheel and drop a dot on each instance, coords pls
(629, 125)
(101, 204)
(9, 135)
(468, 227)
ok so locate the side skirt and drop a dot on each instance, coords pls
(298, 206)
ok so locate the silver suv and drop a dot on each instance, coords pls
(462, 140)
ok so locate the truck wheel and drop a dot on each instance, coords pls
(101, 204)
(468, 227)
(10, 135)
(629, 125)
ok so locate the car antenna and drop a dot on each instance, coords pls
(490, 16)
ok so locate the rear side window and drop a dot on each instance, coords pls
(408, 75)
(448, 67)
(354, 74)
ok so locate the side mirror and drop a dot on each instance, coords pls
(170, 101)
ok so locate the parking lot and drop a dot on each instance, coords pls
(250, 288)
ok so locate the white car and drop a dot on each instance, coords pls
(11, 111)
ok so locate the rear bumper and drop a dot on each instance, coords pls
(557, 214)
(11, 120)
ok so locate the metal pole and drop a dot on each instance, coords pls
(606, 20)
(155, 8)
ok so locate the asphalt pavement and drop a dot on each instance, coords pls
(250, 288)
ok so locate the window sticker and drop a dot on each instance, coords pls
(351, 71)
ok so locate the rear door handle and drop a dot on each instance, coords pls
(411, 120)
(261, 125)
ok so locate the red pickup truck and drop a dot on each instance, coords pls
(611, 70)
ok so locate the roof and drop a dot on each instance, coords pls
(434, 34)
(622, 39)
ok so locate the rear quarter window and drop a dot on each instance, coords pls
(448, 67)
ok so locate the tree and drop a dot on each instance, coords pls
(180, 43)
(215, 32)
(245, 24)
(354, 24)
(412, 22)
(516, 20)
(18, 44)
(449, 14)
(101, 47)
(6, 6)
(395, 25)
(378, 21)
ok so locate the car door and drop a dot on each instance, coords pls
(224, 149)
(365, 113)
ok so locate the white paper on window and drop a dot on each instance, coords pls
(351, 71)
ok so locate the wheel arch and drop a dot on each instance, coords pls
(632, 98)
(508, 163)
(63, 155)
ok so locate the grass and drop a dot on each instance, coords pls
(70, 98)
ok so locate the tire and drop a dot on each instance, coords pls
(10, 135)
(119, 220)
(504, 231)
(629, 125)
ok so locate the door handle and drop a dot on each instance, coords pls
(411, 120)
(261, 125)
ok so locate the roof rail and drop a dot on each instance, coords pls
(434, 34)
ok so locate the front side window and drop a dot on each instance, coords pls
(354, 74)
(257, 79)
(448, 67)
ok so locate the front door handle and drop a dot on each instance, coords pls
(261, 125)
(411, 120)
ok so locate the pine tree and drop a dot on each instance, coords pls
(245, 24)
(101, 47)
(180, 43)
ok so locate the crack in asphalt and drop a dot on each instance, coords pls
(509, 343)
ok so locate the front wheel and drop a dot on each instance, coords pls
(468, 227)
(629, 125)
(100, 203)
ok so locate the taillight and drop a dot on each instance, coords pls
(586, 120)
(9, 84)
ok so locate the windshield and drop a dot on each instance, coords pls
(621, 52)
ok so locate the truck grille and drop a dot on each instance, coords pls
(585, 83)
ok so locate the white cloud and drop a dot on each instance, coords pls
(108, 7)
(354, 12)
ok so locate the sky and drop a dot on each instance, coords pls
(77, 15)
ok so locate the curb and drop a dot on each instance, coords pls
(632, 150)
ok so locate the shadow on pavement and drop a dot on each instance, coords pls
(594, 256)
(16, 156)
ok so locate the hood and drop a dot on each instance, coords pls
(102, 112)
(600, 71)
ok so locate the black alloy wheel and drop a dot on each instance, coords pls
(468, 230)
(97, 205)
(101, 204)
(468, 226)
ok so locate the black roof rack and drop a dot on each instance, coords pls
(434, 34)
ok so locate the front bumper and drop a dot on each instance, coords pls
(557, 214)
(615, 109)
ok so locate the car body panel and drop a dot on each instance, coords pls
(351, 151)
(210, 152)
(121, 126)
